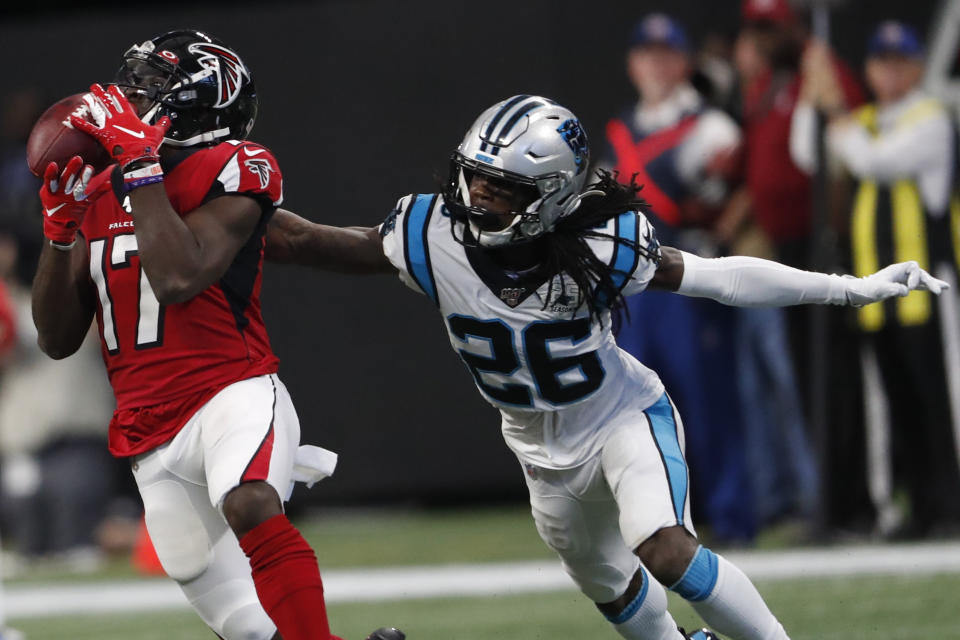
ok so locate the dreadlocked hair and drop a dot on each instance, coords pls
(569, 255)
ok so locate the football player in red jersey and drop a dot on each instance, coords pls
(166, 250)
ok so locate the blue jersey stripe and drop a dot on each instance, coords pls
(415, 243)
(624, 257)
(664, 429)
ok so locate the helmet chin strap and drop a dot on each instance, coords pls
(464, 188)
(577, 200)
(207, 136)
(494, 238)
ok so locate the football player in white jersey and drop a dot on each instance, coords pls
(525, 262)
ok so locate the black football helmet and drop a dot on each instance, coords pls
(195, 80)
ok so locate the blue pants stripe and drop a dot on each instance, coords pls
(665, 434)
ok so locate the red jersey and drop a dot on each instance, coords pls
(165, 361)
(780, 190)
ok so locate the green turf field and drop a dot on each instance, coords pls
(871, 608)
(837, 609)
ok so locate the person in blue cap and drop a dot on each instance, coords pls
(682, 150)
(902, 152)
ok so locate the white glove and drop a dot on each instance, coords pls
(896, 280)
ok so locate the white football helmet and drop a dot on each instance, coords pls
(531, 142)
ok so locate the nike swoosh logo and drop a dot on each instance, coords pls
(253, 152)
(135, 134)
(52, 211)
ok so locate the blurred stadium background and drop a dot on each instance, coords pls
(362, 102)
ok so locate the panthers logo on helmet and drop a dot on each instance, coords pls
(226, 66)
(576, 138)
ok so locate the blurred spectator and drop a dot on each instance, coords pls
(901, 149)
(57, 480)
(780, 460)
(8, 335)
(778, 200)
(767, 56)
(714, 75)
(18, 198)
(683, 153)
(8, 326)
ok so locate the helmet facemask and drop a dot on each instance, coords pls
(477, 226)
(155, 79)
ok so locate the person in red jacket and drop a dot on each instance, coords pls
(684, 152)
(768, 56)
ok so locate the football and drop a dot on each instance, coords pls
(54, 139)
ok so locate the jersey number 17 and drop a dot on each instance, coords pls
(149, 311)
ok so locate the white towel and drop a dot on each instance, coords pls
(311, 464)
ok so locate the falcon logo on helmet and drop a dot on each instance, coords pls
(230, 72)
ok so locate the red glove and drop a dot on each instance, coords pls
(119, 129)
(65, 200)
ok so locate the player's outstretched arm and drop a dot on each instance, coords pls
(753, 282)
(294, 240)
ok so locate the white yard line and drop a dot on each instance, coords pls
(462, 580)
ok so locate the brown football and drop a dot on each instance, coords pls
(52, 139)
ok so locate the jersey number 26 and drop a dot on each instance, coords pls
(544, 368)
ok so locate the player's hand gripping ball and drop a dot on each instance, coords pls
(54, 139)
(65, 199)
(119, 129)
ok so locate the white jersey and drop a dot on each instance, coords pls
(557, 376)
